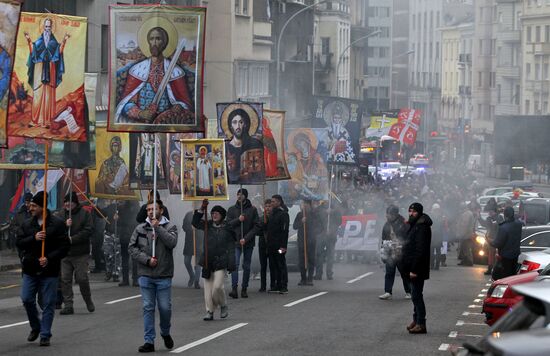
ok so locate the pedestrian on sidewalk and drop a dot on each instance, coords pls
(217, 258)
(79, 229)
(416, 259)
(41, 274)
(245, 230)
(155, 271)
(393, 239)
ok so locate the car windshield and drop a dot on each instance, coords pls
(535, 214)
(545, 271)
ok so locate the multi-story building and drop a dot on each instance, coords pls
(535, 82)
(359, 37)
(508, 70)
(332, 31)
(378, 53)
(400, 55)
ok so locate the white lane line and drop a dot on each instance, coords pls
(123, 299)
(16, 324)
(478, 300)
(304, 299)
(444, 347)
(462, 322)
(474, 306)
(359, 278)
(484, 290)
(470, 335)
(481, 295)
(488, 284)
(208, 338)
(453, 334)
(466, 313)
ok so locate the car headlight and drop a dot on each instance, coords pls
(499, 291)
(480, 240)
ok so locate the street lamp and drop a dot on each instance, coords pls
(277, 85)
(377, 32)
(382, 72)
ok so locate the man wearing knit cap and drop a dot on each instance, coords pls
(79, 229)
(40, 273)
(416, 260)
(246, 220)
(507, 242)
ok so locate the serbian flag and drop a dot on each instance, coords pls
(406, 128)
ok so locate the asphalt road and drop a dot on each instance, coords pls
(342, 317)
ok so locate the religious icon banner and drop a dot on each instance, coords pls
(173, 157)
(240, 125)
(156, 68)
(273, 124)
(111, 180)
(48, 78)
(306, 157)
(142, 160)
(8, 29)
(342, 120)
(203, 170)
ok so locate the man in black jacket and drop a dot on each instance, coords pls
(246, 232)
(142, 213)
(262, 250)
(508, 244)
(80, 229)
(23, 214)
(308, 227)
(416, 259)
(41, 273)
(277, 240)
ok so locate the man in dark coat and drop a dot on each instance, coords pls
(277, 241)
(80, 229)
(23, 214)
(142, 213)
(262, 250)
(41, 273)
(393, 239)
(416, 259)
(246, 231)
(307, 224)
(508, 244)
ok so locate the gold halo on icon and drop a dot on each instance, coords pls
(248, 109)
(164, 23)
(301, 132)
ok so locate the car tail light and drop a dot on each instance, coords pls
(499, 290)
(528, 266)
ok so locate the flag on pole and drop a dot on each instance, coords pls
(407, 126)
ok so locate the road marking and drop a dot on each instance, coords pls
(462, 322)
(444, 347)
(16, 324)
(359, 278)
(10, 286)
(488, 284)
(466, 313)
(481, 295)
(484, 290)
(474, 306)
(208, 338)
(453, 334)
(470, 335)
(304, 299)
(123, 299)
(478, 300)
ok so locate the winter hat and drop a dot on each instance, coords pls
(508, 212)
(392, 210)
(39, 197)
(220, 210)
(27, 197)
(244, 192)
(279, 198)
(417, 207)
(72, 197)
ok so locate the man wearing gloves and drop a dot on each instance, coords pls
(155, 270)
(246, 234)
(217, 256)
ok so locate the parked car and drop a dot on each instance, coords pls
(419, 160)
(530, 317)
(535, 211)
(535, 238)
(497, 190)
(524, 185)
(533, 260)
(482, 200)
(522, 195)
(389, 169)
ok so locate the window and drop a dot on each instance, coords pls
(529, 35)
(104, 48)
(252, 80)
(539, 239)
(537, 71)
(414, 21)
(527, 106)
(537, 34)
(516, 95)
(325, 45)
(242, 7)
(479, 79)
(528, 70)
(536, 108)
(545, 71)
(499, 93)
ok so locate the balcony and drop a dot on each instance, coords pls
(464, 90)
(540, 49)
(507, 35)
(508, 71)
(465, 58)
(323, 62)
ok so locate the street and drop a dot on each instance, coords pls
(343, 316)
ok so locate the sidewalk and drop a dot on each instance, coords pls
(9, 260)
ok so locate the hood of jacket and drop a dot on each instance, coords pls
(247, 204)
(423, 219)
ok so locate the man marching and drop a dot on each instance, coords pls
(41, 271)
(155, 271)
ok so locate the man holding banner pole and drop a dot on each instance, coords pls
(305, 223)
(43, 243)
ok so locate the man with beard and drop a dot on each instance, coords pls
(144, 79)
(241, 146)
(277, 240)
(113, 177)
(416, 261)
